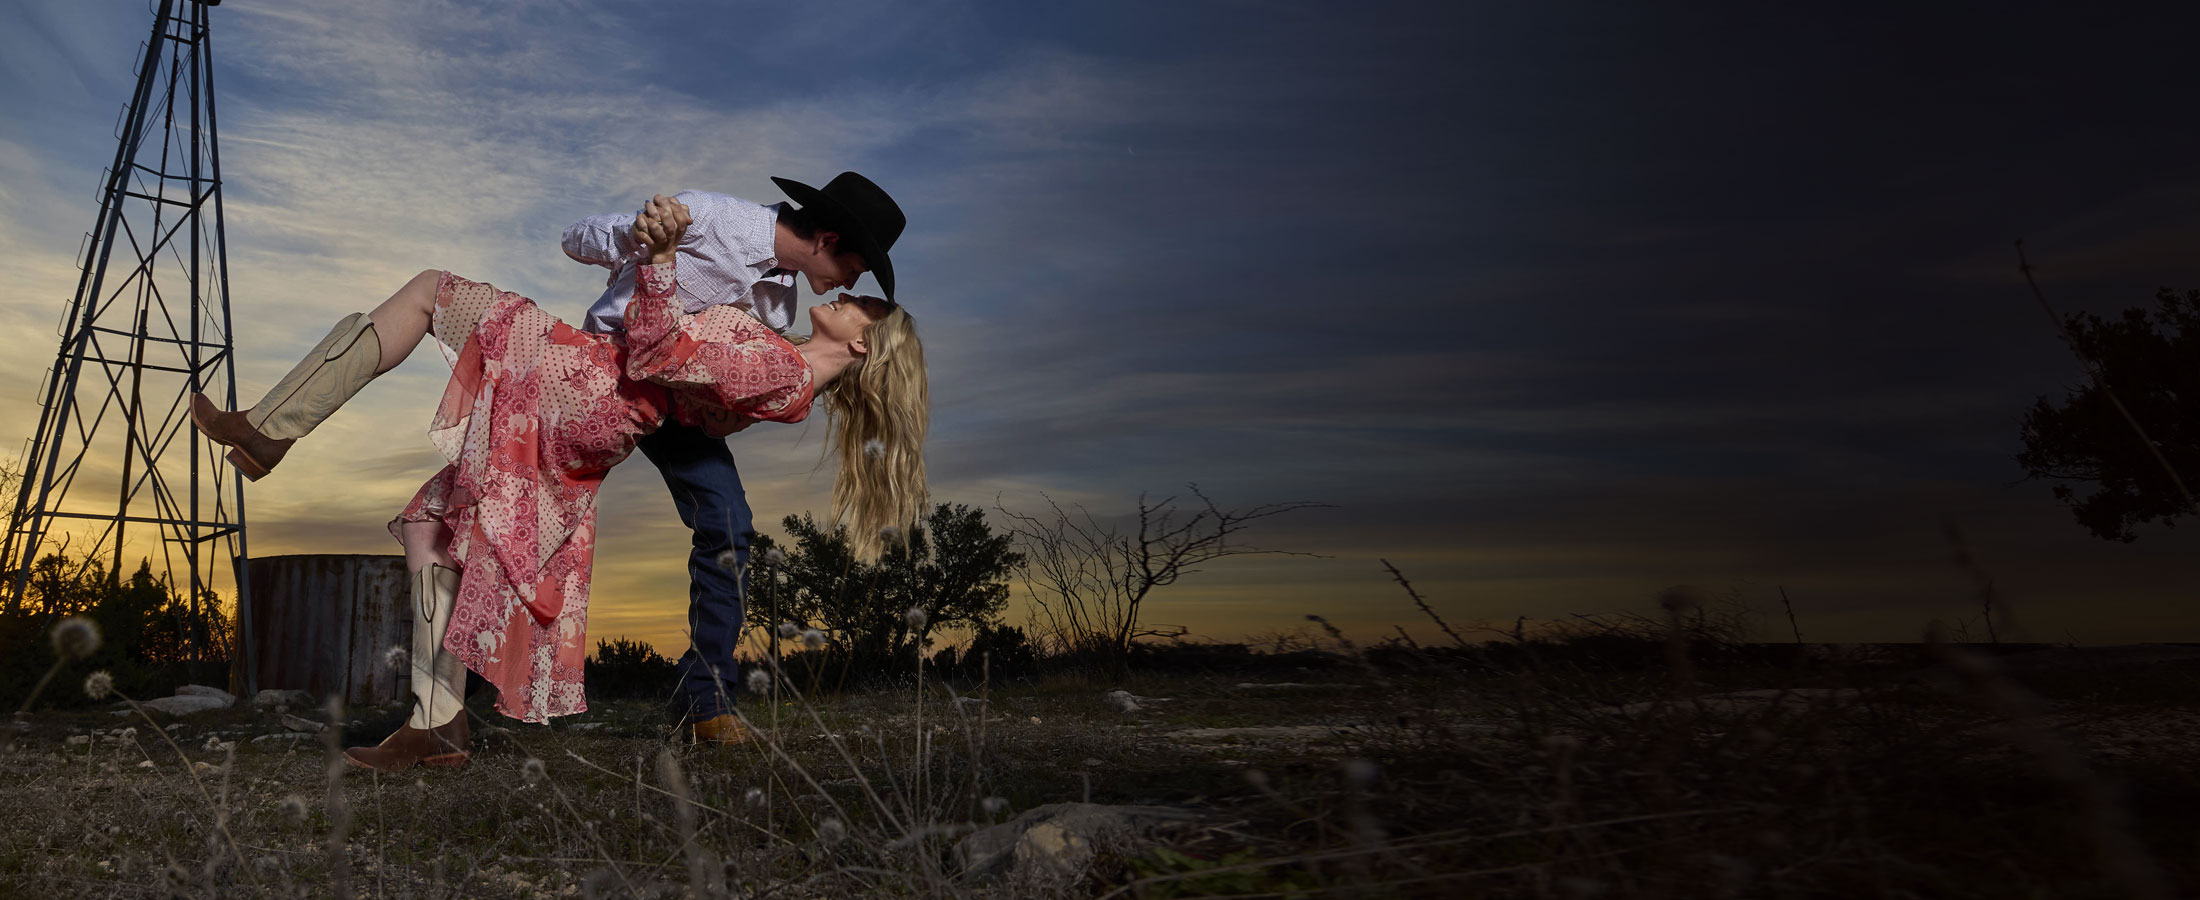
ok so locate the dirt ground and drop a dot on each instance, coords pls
(2066, 773)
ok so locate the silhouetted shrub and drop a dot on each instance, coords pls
(624, 668)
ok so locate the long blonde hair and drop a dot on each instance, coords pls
(880, 406)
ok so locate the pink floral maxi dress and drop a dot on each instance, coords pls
(535, 414)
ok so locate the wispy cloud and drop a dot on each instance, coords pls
(1555, 333)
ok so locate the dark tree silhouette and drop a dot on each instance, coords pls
(2151, 359)
(954, 568)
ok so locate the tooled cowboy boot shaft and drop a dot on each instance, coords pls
(438, 678)
(336, 368)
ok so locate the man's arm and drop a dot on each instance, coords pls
(606, 240)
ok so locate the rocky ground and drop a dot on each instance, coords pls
(2066, 771)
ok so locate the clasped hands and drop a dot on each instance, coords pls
(659, 226)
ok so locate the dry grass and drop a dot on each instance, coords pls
(1548, 780)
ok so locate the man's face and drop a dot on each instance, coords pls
(834, 269)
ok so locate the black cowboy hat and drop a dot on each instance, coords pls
(868, 221)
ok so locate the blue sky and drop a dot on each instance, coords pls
(1555, 306)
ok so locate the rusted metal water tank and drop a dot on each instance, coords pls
(321, 623)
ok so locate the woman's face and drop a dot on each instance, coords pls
(845, 317)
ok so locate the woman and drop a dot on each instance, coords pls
(500, 542)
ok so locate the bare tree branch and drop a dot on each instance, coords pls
(1090, 580)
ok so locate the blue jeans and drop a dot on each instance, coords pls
(706, 489)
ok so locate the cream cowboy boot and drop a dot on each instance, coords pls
(341, 364)
(436, 733)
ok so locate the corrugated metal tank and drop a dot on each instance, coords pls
(321, 623)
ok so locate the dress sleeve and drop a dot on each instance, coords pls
(724, 367)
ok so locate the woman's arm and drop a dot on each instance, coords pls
(724, 358)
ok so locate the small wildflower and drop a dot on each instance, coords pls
(1034, 720)
(787, 630)
(531, 770)
(779, 578)
(760, 681)
(753, 796)
(99, 684)
(813, 639)
(775, 557)
(294, 809)
(915, 616)
(729, 560)
(831, 831)
(874, 448)
(75, 637)
(994, 805)
(397, 657)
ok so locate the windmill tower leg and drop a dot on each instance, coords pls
(148, 325)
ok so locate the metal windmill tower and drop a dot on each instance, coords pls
(115, 465)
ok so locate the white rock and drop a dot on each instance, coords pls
(1057, 842)
(307, 726)
(186, 704)
(270, 699)
(146, 764)
(1129, 702)
(200, 690)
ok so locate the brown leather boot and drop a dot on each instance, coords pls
(722, 729)
(438, 684)
(443, 745)
(335, 369)
(253, 453)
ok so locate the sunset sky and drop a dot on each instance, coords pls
(1554, 305)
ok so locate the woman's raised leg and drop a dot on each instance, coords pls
(360, 347)
(402, 320)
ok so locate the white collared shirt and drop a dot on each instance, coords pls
(725, 257)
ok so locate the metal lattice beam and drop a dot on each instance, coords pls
(151, 318)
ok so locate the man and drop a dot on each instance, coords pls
(745, 254)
